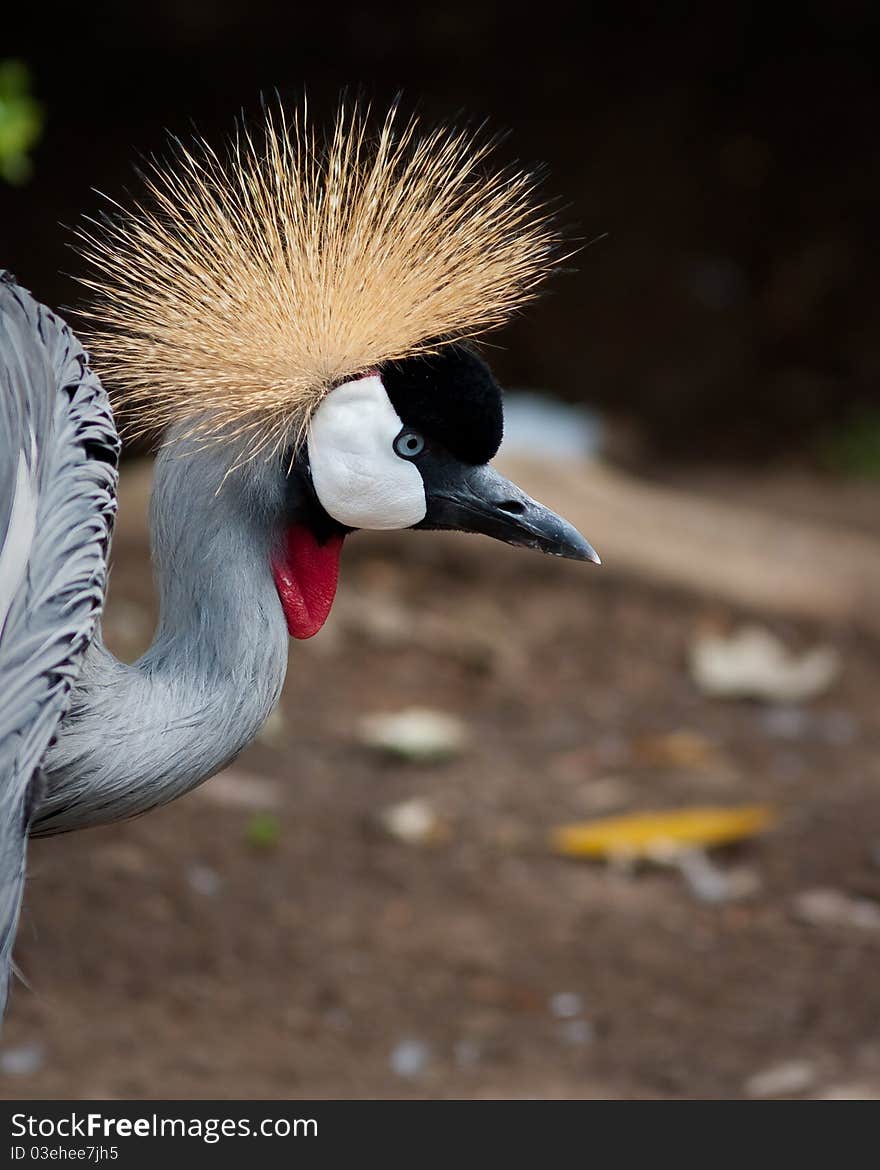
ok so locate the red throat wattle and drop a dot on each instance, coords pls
(306, 574)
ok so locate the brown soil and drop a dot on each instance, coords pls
(298, 970)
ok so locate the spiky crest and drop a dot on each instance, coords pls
(246, 285)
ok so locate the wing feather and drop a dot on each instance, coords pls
(58, 455)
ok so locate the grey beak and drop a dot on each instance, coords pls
(479, 499)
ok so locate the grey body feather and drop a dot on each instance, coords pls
(58, 454)
(85, 739)
(138, 736)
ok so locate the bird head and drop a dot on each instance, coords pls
(407, 445)
(286, 300)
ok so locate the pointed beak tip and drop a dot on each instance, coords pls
(588, 554)
(575, 547)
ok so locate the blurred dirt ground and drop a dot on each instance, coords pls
(189, 954)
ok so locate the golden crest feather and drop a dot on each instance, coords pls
(247, 285)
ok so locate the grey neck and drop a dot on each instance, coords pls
(139, 736)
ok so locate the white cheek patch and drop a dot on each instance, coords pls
(358, 477)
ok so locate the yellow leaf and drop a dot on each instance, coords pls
(657, 835)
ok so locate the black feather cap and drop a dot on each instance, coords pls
(450, 396)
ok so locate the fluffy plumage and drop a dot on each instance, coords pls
(249, 284)
(58, 451)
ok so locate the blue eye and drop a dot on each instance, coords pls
(409, 444)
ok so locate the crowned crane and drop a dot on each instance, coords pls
(298, 318)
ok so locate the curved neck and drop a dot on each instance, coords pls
(138, 736)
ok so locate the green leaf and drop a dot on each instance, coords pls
(263, 831)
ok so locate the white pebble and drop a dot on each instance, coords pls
(23, 1061)
(708, 882)
(753, 663)
(565, 1004)
(782, 1080)
(417, 734)
(414, 822)
(204, 881)
(409, 1058)
(829, 907)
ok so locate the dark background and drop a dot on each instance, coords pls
(728, 156)
(729, 151)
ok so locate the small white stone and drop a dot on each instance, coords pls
(564, 1005)
(829, 907)
(708, 882)
(416, 733)
(753, 663)
(410, 1058)
(23, 1061)
(782, 1080)
(204, 881)
(414, 822)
